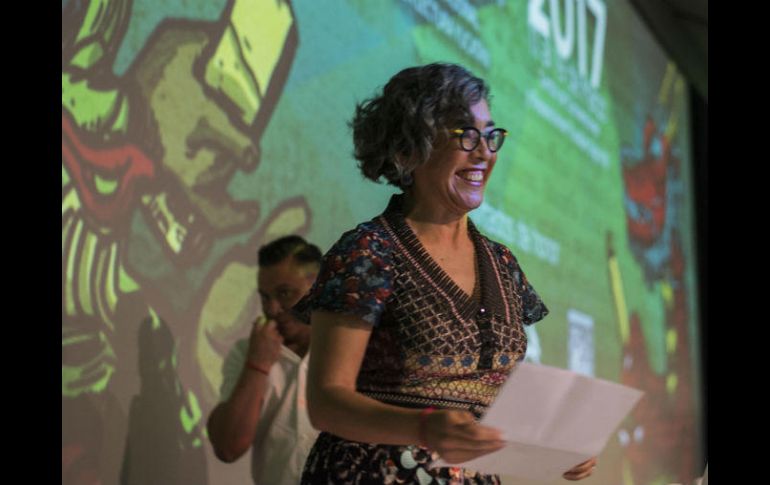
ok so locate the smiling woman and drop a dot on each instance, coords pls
(454, 179)
(417, 318)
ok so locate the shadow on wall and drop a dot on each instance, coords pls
(158, 449)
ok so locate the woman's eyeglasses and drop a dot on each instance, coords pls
(470, 138)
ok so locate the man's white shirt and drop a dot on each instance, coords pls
(284, 434)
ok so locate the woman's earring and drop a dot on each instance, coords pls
(406, 180)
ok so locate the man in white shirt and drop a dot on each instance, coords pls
(263, 390)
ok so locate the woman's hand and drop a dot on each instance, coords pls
(584, 470)
(457, 437)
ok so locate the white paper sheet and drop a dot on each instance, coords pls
(552, 419)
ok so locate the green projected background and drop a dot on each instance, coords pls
(195, 132)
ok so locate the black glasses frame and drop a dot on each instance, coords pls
(461, 133)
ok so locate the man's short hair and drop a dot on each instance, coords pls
(301, 251)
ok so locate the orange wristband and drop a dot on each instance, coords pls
(257, 368)
(422, 431)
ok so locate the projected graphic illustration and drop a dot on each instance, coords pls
(195, 132)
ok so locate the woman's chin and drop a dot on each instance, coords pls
(472, 201)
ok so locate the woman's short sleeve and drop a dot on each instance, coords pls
(355, 278)
(533, 308)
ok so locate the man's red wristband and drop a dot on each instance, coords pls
(257, 368)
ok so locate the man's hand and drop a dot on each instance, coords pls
(264, 344)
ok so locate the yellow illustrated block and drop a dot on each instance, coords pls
(248, 53)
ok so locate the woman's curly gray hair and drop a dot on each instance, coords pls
(394, 132)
